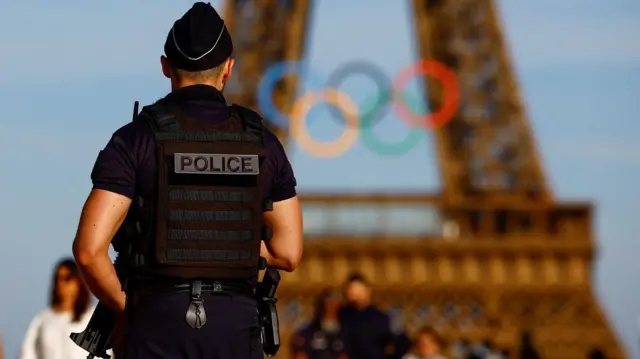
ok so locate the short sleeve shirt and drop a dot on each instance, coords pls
(128, 165)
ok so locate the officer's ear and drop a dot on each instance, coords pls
(166, 67)
(228, 69)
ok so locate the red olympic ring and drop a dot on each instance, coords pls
(450, 94)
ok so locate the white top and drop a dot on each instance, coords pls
(48, 336)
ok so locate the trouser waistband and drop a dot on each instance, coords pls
(216, 287)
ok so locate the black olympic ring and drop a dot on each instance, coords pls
(373, 72)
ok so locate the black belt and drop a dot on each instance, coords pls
(196, 315)
(144, 291)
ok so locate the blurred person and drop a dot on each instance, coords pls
(527, 349)
(195, 194)
(366, 329)
(428, 345)
(400, 345)
(322, 338)
(69, 311)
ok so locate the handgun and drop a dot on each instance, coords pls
(265, 295)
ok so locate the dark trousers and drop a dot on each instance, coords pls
(157, 329)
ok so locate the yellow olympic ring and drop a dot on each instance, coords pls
(298, 126)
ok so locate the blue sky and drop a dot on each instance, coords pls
(70, 71)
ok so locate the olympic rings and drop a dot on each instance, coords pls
(450, 94)
(345, 105)
(387, 148)
(365, 68)
(298, 126)
(364, 118)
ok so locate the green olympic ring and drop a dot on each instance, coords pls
(387, 148)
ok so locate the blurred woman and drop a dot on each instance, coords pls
(69, 311)
(321, 339)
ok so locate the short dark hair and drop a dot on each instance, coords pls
(200, 76)
(82, 302)
(357, 277)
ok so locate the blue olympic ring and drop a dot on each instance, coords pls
(267, 86)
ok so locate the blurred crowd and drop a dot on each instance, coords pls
(348, 325)
(354, 328)
(345, 325)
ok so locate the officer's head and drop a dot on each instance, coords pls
(198, 49)
(357, 291)
(428, 342)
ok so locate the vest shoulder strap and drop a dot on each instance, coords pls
(252, 121)
(160, 117)
(166, 126)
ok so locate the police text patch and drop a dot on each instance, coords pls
(225, 164)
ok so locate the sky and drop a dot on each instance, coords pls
(70, 72)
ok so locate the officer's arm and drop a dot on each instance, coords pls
(102, 215)
(284, 250)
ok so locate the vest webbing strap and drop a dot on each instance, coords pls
(208, 137)
(209, 196)
(209, 216)
(208, 235)
(198, 255)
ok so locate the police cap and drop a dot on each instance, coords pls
(199, 40)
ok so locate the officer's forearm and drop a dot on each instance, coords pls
(274, 262)
(100, 276)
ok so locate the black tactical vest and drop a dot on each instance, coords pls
(205, 221)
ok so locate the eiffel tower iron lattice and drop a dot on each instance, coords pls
(498, 254)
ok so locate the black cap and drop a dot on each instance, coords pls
(199, 40)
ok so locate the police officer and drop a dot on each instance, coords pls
(322, 337)
(192, 193)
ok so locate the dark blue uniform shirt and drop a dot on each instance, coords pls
(317, 343)
(367, 332)
(127, 166)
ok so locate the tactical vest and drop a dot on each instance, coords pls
(205, 221)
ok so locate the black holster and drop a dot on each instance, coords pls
(265, 295)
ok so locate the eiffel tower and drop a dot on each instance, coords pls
(506, 256)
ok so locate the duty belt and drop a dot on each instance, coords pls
(196, 317)
(216, 287)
